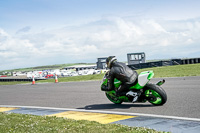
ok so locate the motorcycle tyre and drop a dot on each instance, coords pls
(159, 90)
(118, 101)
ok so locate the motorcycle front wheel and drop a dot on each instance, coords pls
(155, 94)
(113, 98)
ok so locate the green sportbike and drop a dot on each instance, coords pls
(150, 92)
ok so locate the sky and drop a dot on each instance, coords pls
(47, 32)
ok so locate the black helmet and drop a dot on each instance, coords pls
(110, 60)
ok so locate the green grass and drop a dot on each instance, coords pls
(175, 71)
(77, 78)
(14, 83)
(18, 123)
(166, 71)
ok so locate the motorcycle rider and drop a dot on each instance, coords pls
(126, 75)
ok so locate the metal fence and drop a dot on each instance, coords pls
(165, 63)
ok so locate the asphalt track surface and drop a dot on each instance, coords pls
(183, 97)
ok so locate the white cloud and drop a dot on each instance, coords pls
(24, 30)
(108, 36)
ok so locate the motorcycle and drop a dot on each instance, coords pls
(150, 92)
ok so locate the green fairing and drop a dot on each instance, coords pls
(105, 81)
(151, 74)
(137, 86)
(121, 98)
(117, 83)
(124, 99)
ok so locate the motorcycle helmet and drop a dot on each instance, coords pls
(110, 60)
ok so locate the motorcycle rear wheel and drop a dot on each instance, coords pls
(155, 94)
(113, 99)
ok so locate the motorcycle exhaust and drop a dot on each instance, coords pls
(161, 82)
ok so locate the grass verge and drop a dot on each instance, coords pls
(21, 123)
(175, 71)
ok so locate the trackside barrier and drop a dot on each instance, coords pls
(17, 79)
(165, 63)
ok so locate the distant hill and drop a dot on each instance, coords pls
(47, 67)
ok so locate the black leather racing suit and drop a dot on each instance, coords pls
(123, 73)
